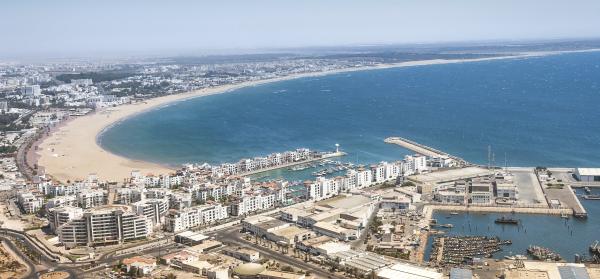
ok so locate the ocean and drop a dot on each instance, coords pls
(539, 111)
(565, 236)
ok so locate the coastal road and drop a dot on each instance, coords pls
(232, 236)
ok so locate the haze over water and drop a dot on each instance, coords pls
(534, 111)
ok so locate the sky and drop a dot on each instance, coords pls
(85, 27)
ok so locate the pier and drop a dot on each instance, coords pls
(497, 209)
(424, 149)
(323, 157)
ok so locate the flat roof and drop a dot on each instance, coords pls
(289, 232)
(589, 171)
(192, 235)
(450, 175)
(330, 227)
(408, 271)
(346, 202)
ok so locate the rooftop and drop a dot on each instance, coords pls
(589, 171)
(451, 175)
(408, 271)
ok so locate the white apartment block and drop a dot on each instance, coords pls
(29, 203)
(105, 225)
(92, 198)
(252, 203)
(414, 164)
(70, 200)
(179, 220)
(153, 209)
(129, 195)
(57, 216)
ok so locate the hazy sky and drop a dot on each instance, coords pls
(37, 28)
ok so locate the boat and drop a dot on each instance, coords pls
(543, 254)
(506, 220)
(564, 216)
(453, 213)
(448, 226)
(587, 190)
(591, 197)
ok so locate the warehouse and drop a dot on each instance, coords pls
(588, 174)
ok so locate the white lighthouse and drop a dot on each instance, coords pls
(337, 148)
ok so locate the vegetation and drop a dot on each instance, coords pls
(408, 183)
(6, 149)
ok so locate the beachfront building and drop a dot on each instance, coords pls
(258, 163)
(187, 218)
(103, 225)
(29, 202)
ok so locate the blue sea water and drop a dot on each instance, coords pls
(565, 236)
(533, 111)
(541, 111)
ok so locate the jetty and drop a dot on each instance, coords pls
(425, 150)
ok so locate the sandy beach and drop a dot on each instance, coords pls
(71, 152)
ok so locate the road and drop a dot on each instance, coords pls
(232, 235)
(30, 266)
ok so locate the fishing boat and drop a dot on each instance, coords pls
(448, 226)
(506, 220)
(453, 213)
(587, 190)
(591, 197)
(543, 254)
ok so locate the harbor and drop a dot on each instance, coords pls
(571, 238)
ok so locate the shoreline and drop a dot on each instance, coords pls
(72, 151)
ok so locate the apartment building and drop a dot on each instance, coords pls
(102, 226)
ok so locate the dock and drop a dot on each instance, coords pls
(314, 159)
(424, 149)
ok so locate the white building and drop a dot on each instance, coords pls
(32, 90)
(588, 174)
(179, 220)
(104, 225)
(153, 209)
(29, 203)
(92, 198)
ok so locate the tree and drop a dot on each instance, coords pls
(171, 276)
